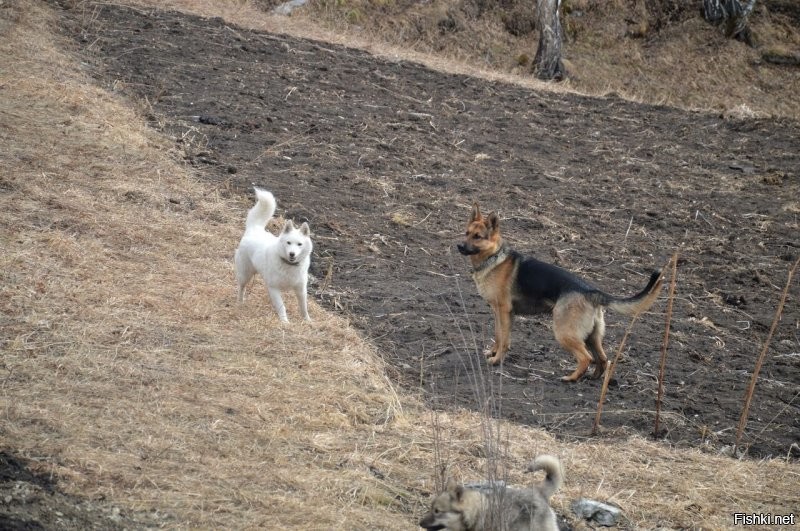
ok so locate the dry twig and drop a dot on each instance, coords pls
(748, 397)
(668, 321)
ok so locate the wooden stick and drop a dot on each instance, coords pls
(668, 321)
(610, 372)
(748, 397)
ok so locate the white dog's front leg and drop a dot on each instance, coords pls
(302, 301)
(277, 303)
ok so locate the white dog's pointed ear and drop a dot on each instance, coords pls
(304, 230)
(288, 226)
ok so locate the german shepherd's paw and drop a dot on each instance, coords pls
(490, 351)
(492, 357)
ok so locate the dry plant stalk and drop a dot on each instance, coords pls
(748, 397)
(668, 321)
(610, 373)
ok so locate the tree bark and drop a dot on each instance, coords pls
(734, 14)
(547, 64)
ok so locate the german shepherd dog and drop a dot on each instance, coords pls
(461, 508)
(513, 284)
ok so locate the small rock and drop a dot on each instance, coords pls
(597, 512)
(286, 8)
(209, 120)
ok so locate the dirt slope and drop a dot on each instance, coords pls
(384, 158)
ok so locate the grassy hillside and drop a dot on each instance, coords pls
(136, 393)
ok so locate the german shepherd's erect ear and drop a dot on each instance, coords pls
(493, 222)
(476, 212)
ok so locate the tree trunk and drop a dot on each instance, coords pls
(734, 13)
(547, 64)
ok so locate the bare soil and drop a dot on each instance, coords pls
(31, 501)
(384, 158)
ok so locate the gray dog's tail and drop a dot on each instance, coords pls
(555, 475)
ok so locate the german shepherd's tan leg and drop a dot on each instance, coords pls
(582, 356)
(595, 344)
(573, 322)
(502, 333)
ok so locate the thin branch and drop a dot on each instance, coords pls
(748, 397)
(668, 321)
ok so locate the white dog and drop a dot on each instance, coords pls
(281, 260)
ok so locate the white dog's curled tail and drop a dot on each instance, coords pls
(262, 211)
(554, 474)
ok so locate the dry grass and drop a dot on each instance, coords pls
(129, 374)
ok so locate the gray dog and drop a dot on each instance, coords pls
(461, 508)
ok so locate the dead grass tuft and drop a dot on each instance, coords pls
(129, 374)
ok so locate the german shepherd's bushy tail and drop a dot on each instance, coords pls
(262, 211)
(554, 475)
(636, 304)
